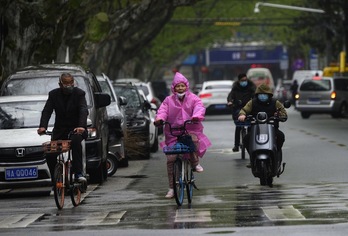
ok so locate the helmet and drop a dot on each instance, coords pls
(264, 88)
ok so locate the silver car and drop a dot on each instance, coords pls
(323, 95)
(117, 122)
(22, 163)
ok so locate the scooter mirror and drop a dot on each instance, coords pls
(287, 104)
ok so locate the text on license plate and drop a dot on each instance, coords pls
(21, 173)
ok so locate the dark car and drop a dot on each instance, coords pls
(138, 120)
(41, 79)
(117, 121)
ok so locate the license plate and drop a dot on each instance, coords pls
(21, 173)
(314, 100)
(221, 106)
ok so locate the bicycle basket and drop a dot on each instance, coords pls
(187, 140)
(56, 146)
(178, 148)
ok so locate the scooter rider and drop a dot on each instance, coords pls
(264, 102)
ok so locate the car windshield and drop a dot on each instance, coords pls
(315, 85)
(106, 89)
(144, 88)
(130, 93)
(24, 114)
(41, 86)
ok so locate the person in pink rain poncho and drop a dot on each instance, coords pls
(182, 105)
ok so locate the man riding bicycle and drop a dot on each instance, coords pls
(70, 107)
(241, 92)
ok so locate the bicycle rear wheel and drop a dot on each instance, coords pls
(75, 188)
(178, 182)
(243, 133)
(58, 185)
(189, 181)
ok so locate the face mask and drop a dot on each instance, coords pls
(262, 97)
(68, 89)
(180, 95)
(243, 83)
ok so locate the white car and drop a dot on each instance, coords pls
(153, 129)
(214, 95)
(22, 161)
(149, 93)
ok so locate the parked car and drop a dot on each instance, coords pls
(117, 122)
(153, 132)
(138, 120)
(149, 93)
(283, 90)
(41, 79)
(214, 96)
(323, 95)
(22, 164)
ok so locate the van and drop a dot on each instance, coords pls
(323, 95)
(260, 76)
(301, 75)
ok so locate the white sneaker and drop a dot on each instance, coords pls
(170, 193)
(199, 168)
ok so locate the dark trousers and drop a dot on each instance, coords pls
(76, 147)
(279, 136)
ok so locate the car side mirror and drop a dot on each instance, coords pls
(122, 101)
(102, 99)
(287, 104)
(153, 107)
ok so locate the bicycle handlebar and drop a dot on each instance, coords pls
(182, 129)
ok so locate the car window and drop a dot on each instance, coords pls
(41, 86)
(106, 89)
(341, 84)
(315, 85)
(130, 93)
(15, 115)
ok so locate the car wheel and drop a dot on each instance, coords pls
(111, 165)
(305, 115)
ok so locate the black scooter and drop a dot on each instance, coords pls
(265, 158)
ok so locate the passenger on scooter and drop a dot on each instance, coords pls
(264, 102)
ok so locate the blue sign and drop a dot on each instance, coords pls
(245, 55)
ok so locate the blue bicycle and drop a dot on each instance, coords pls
(183, 176)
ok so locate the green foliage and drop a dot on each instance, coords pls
(97, 27)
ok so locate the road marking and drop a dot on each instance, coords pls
(19, 221)
(192, 215)
(288, 212)
(103, 218)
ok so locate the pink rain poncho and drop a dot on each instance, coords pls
(176, 112)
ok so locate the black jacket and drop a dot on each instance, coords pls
(244, 94)
(71, 111)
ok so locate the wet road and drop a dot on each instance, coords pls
(312, 191)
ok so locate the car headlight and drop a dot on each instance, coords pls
(92, 132)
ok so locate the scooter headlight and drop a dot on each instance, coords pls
(261, 117)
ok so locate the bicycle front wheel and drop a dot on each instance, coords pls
(189, 181)
(75, 189)
(178, 182)
(58, 185)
